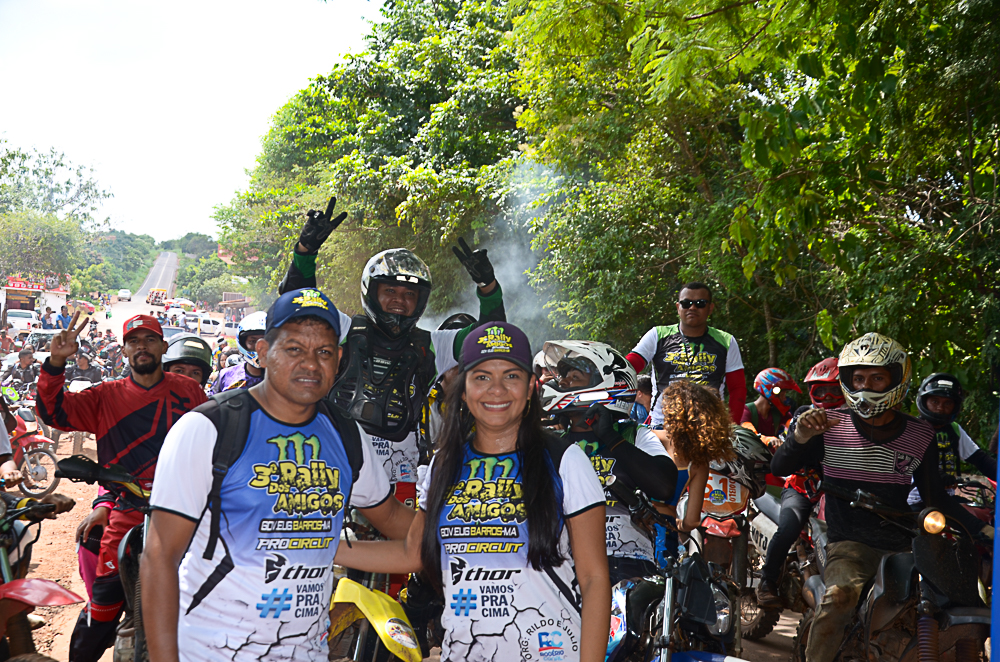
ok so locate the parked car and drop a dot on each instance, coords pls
(35, 338)
(171, 331)
(23, 319)
(124, 295)
(231, 329)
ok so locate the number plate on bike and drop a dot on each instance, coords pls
(724, 496)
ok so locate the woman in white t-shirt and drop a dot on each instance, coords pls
(514, 533)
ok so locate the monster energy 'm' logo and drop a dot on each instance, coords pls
(489, 465)
(298, 443)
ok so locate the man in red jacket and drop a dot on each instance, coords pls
(130, 418)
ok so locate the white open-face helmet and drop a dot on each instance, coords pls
(399, 266)
(874, 350)
(586, 373)
(252, 324)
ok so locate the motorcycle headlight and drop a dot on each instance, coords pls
(934, 521)
(723, 612)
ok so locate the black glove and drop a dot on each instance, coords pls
(475, 262)
(602, 421)
(319, 226)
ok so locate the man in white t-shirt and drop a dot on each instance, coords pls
(238, 562)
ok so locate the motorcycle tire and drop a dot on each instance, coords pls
(141, 652)
(757, 622)
(802, 637)
(33, 657)
(19, 638)
(39, 459)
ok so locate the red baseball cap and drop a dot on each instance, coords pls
(138, 322)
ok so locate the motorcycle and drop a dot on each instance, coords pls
(796, 587)
(684, 613)
(923, 605)
(18, 595)
(33, 450)
(365, 623)
(724, 535)
(130, 643)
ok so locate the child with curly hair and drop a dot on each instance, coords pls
(696, 431)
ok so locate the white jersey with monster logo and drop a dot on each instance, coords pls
(496, 606)
(265, 594)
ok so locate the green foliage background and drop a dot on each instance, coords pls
(829, 167)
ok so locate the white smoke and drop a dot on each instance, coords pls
(513, 258)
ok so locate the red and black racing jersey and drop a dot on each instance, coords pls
(129, 421)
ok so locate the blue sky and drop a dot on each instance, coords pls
(167, 101)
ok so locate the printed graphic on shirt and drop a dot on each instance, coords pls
(301, 483)
(623, 539)
(496, 605)
(399, 458)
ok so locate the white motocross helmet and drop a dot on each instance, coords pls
(874, 349)
(252, 323)
(587, 373)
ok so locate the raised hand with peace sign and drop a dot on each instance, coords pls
(64, 344)
(318, 227)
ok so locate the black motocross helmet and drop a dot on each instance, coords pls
(941, 384)
(457, 322)
(398, 266)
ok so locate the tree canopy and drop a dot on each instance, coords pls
(828, 167)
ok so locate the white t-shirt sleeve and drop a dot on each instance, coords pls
(184, 469)
(581, 488)
(648, 442)
(5, 448)
(646, 347)
(345, 325)
(734, 360)
(423, 485)
(443, 343)
(966, 445)
(372, 487)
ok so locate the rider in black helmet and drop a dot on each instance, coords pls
(939, 401)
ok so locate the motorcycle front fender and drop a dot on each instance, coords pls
(383, 613)
(38, 593)
(31, 442)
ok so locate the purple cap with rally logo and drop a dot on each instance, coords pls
(496, 340)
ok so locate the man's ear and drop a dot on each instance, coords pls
(261, 348)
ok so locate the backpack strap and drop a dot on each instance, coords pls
(754, 415)
(232, 422)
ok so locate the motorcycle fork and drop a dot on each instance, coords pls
(371, 581)
(667, 606)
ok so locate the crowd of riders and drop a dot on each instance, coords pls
(483, 459)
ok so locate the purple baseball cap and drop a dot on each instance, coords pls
(496, 340)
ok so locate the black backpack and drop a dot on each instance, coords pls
(230, 413)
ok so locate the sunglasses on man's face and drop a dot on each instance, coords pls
(698, 303)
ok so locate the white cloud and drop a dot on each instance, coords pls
(167, 101)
